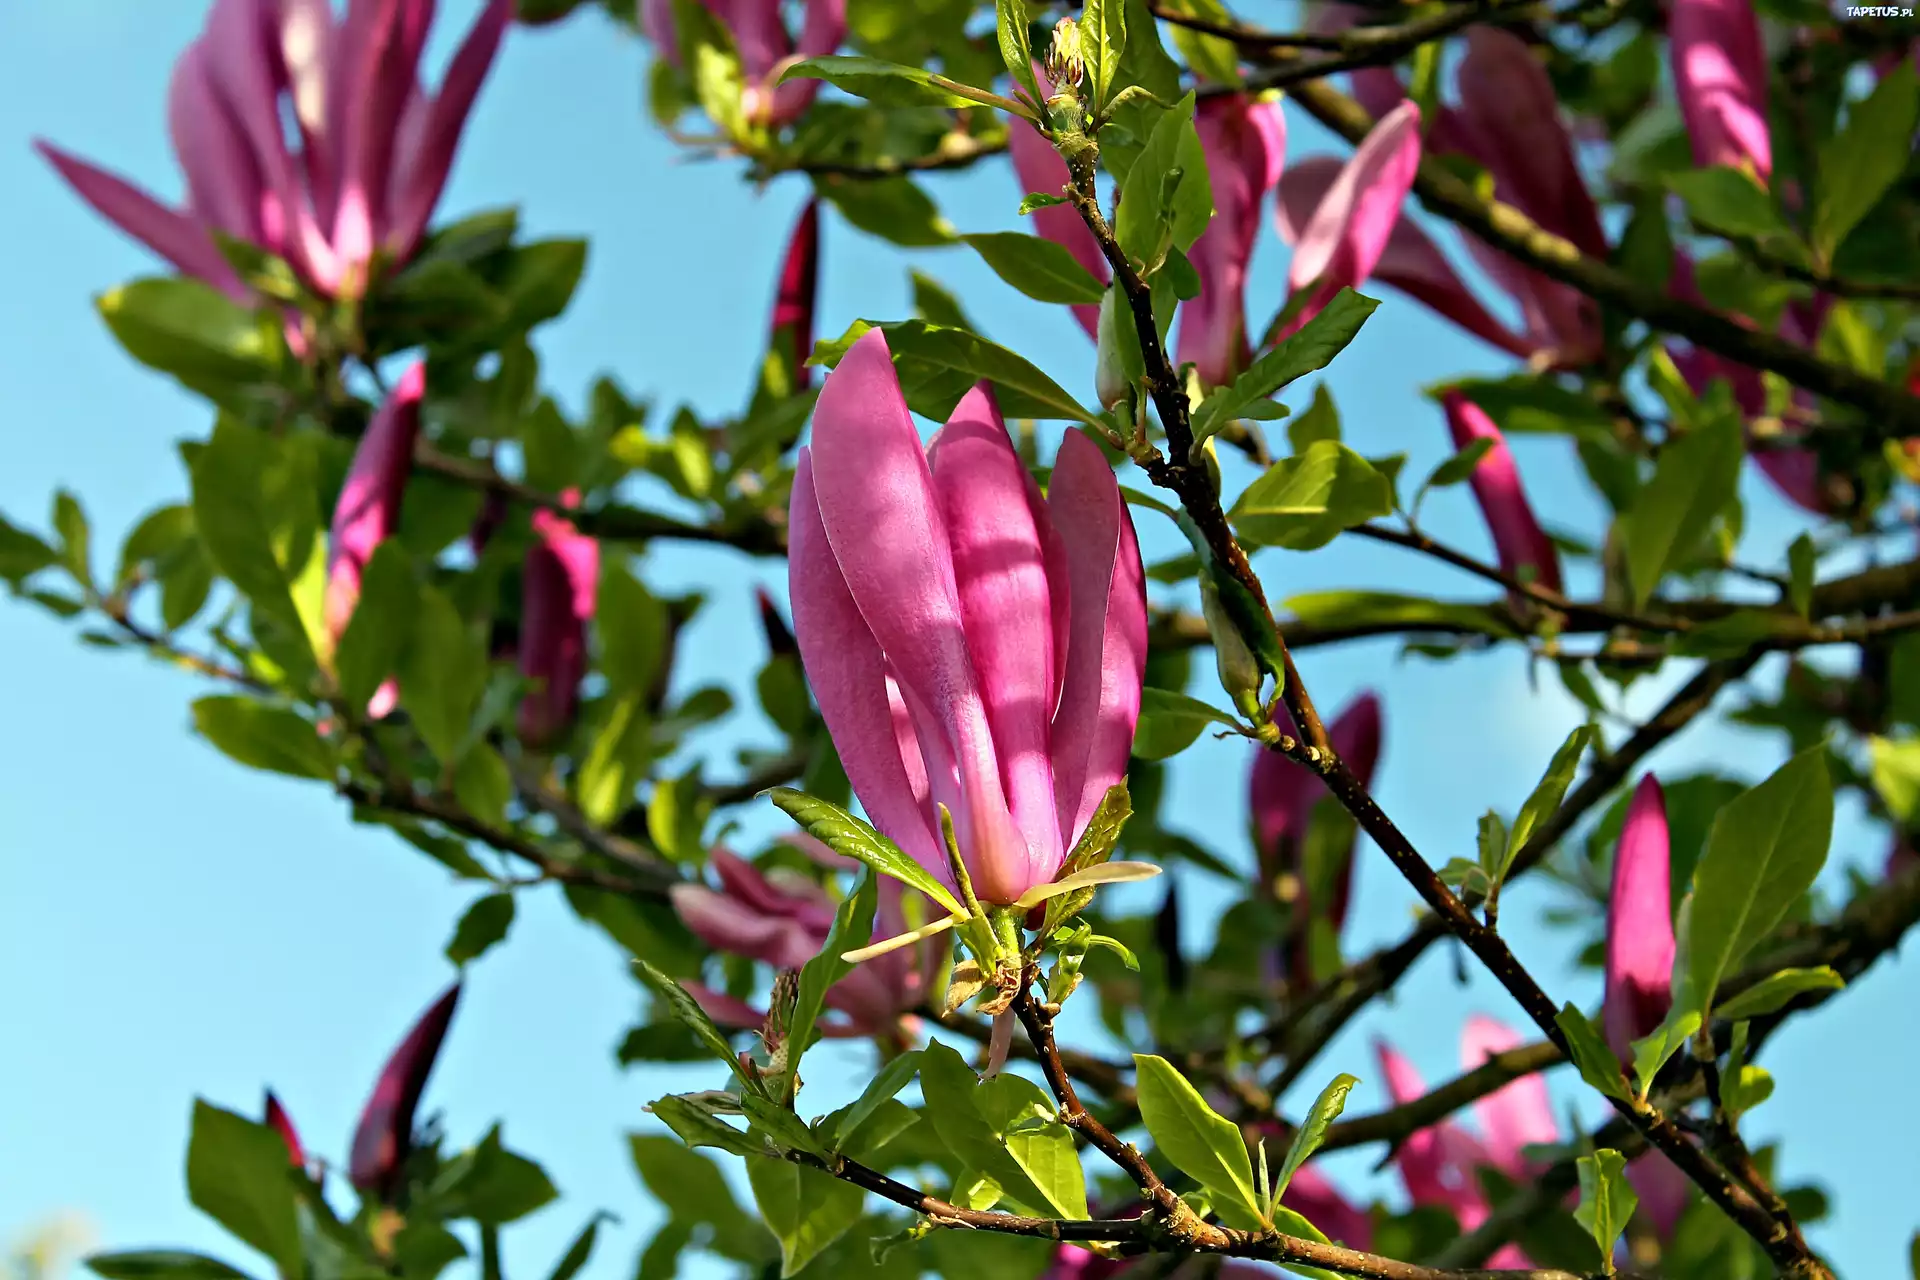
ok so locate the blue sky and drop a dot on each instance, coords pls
(172, 925)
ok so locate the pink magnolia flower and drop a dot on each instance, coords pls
(765, 46)
(384, 1136)
(1518, 540)
(281, 1123)
(793, 302)
(1281, 796)
(1351, 226)
(1041, 170)
(1437, 1165)
(368, 509)
(1640, 950)
(969, 643)
(560, 583)
(1720, 77)
(781, 918)
(1245, 143)
(374, 147)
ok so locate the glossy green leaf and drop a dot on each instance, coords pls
(1313, 347)
(1289, 1222)
(1169, 723)
(888, 1081)
(973, 1119)
(1606, 1201)
(850, 837)
(623, 747)
(937, 366)
(1894, 766)
(484, 924)
(1336, 610)
(1774, 993)
(160, 1264)
(688, 1010)
(1198, 1140)
(1693, 482)
(1304, 502)
(1103, 39)
(193, 332)
(1041, 269)
(852, 927)
(490, 1184)
(1547, 793)
(443, 672)
(632, 625)
(807, 1210)
(1801, 558)
(1591, 1056)
(1651, 1052)
(1166, 198)
(896, 209)
(1024, 1117)
(1730, 202)
(1016, 47)
(1313, 1130)
(1764, 851)
(894, 84)
(238, 1175)
(698, 1126)
(277, 739)
(255, 508)
(1860, 162)
(580, 1251)
(376, 637)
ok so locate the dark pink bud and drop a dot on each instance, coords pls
(368, 509)
(559, 584)
(1640, 942)
(780, 641)
(384, 1137)
(281, 1123)
(1518, 540)
(799, 283)
(493, 514)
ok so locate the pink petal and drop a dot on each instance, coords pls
(1245, 145)
(726, 1010)
(1107, 651)
(223, 182)
(882, 518)
(728, 924)
(428, 163)
(385, 1132)
(306, 35)
(1663, 1190)
(1640, 942)
(177, 237)
(559, 591)
(1350, 230)
(822, 29)
(378, 71)
(1518, 539)
(1317, 1200)
(848, 676)
(1720, 77)
(799, 283)
(818, 853)
(368, 509)
(656, 20)
(1516, 1115)
(1005, 605)
(1040, 169)
(281, 1123)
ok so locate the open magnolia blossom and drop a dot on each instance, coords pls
(973, 646)
(374, 147)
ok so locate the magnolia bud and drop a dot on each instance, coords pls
(1065, 66)
(1109, 367)
(1239, 669)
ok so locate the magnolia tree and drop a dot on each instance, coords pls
(1700, 214)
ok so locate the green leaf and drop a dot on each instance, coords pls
(1041, 269)
(195, 333)
(1606, 1201)
(1495, 847)
(1313, 1131)
(1764, 851)
(1743, 1090)
(539, 280)
(1320, 421)
(482, 784)
(895, 209)
(1368, 609)
(1730, 202)
(1591, 1057)
(777, 1125)
(895, 85)
(712, 65)
(849, 837)
(485, 923)
(1547, 793)
(490, 1184)
(161, 1264)
(1212, 57)
(694, 1192)
(1651, 1052)
(852, 927)
(259, 736)
(697, 1126)
(1199, 1141)
(1861, 162)
(689, 1011)
(442, 675)
(238, 1175)
(1772, 994)
(76, 541)
(1167, 197)
(935, 303)
(22, 554)
(1800, 566)
(1289, 1222)
(376, 636)
(579, 1251)
(938, 365)
(622, 749)
(1169, 723)
(807, 1210)
(677, 813)
(1024, 1117)
(1304, 502)
(254, 505)
(1313, 347)
(632, 626)
(1895, 770)
(1016, 47)
(974, 1120)
(1103, 39)
(887, 1082)
(1694, 480)
(1460, 466)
